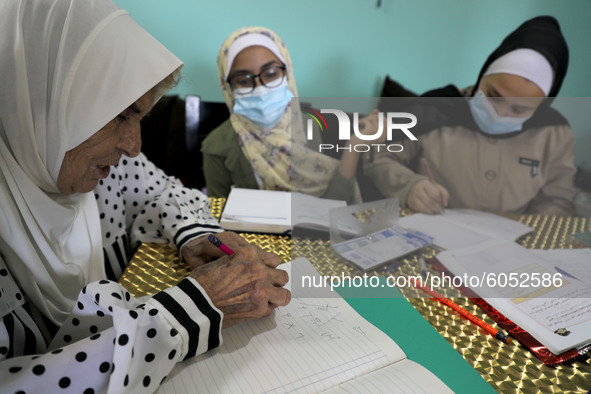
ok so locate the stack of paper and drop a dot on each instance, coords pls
(459, 228)
(545, 292)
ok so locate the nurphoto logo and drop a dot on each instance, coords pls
(344, 131)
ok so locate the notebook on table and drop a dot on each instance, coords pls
(311, 345)
(275, 212)
(543, 297)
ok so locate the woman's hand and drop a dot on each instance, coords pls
(200, 251)
(246, 285)
(427, 197)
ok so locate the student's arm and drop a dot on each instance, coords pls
(341, 188)
(218, 147)
(557, 195)
(389, 171)
(343, 183)
(218, 179)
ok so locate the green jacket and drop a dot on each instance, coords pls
(225, 165)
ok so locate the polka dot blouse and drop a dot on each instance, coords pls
(140, 203)
(113, 342)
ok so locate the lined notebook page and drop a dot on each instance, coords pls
(405, 376)
(310, 345)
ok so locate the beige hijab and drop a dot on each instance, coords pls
(68, 68)
(279, 156)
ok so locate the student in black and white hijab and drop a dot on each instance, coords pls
(496, 146)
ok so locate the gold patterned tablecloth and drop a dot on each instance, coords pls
(506, 367)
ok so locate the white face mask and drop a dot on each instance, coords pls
(264, 106)
(489, 121)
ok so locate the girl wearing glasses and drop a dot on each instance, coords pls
(263, 144)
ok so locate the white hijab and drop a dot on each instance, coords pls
(68, 68)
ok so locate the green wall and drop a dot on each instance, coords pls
(345, 48)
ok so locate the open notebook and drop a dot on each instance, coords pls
(268, 211)
(311, 345)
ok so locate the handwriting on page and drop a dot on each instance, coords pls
(311, 344)
(559, 312)
(321, 319)
(323, 341)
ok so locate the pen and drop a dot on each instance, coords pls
(428, 171)
(491, 330)
(563, 272)
(214, 240)
(423, 265)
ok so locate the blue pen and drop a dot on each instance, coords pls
(423, 265)
(563, 272)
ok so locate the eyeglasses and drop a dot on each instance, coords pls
(270, 77)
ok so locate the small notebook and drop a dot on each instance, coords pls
(275, 212)
(459, 228)
(311, 345)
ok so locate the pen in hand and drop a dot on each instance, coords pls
(220, 245)
(428, 171)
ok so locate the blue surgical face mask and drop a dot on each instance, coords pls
(489, 121)
(264, 106)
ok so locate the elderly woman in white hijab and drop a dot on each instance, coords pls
(77, 77)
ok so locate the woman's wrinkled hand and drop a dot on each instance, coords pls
(246, 285)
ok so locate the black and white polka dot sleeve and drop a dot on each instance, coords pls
(158, 208)
(113, 342)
